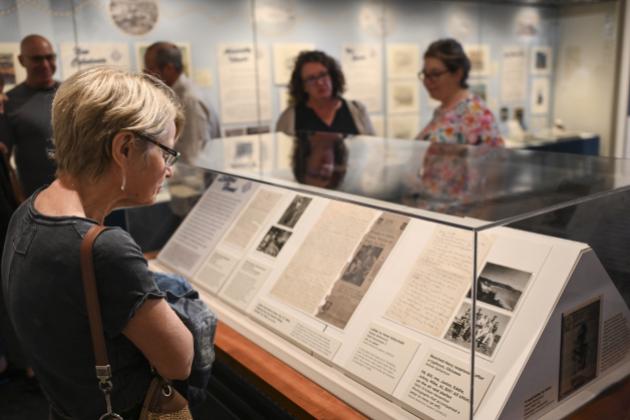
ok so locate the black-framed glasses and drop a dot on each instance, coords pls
(311, 80)
(431, 75)
(170, 155)
(42, 58)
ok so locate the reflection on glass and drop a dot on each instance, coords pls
(319, 159)
(453, 176)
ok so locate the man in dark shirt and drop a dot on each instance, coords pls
(26, 126)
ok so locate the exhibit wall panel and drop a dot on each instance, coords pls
(621, 148)
(585, 90)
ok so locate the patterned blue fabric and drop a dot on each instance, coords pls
(199, 319)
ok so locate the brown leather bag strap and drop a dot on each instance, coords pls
(91, 299)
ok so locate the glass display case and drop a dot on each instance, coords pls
(369, 264)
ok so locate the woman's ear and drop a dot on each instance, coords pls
(121, 146)
(459, 73)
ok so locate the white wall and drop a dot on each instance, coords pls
(586, 70)
(582, 38)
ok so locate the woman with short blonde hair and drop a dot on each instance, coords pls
(114, 133)
(97, 104)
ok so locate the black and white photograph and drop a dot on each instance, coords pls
(295, 210)
(403, 61)
(579, 347)
(541, 61)
(273, 241)
(134, 17)
(402, 96)
(361, 264)
(501, 286)
(489, 329)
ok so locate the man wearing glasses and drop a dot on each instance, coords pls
(26, 127)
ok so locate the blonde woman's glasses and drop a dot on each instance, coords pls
(170, 155)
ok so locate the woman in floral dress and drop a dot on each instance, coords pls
(462, 117)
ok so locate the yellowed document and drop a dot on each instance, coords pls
(322, 256)
(440, 277)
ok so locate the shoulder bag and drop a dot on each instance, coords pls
(162, 401)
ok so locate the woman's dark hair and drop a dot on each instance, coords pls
(302, 152)
(296, 85)
(452, 54)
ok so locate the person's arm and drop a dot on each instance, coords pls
(6, 134)
(364, 123)
(163, 339)
(215, 124)
(286, 121)
(197, 129)
(133, 305)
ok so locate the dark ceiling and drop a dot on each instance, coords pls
(553, 3)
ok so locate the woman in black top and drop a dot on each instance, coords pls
(316, 86)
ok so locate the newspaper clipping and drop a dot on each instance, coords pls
(322, 256)
(360, 272)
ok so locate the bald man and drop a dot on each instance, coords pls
(26, 128)
(164, 60)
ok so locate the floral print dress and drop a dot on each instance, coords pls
(450, 174)
(469, 122)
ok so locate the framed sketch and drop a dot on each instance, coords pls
(378, 122)
(540, 61)
(141, 48)
(479, 56)
(402, 97)
(403, 61)
(284, 56)
(479, 88)
(527, 23)
(539, 101)
(275, 17)
(579, 347)
(11, 70)
(134, 17)
(404, 127)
